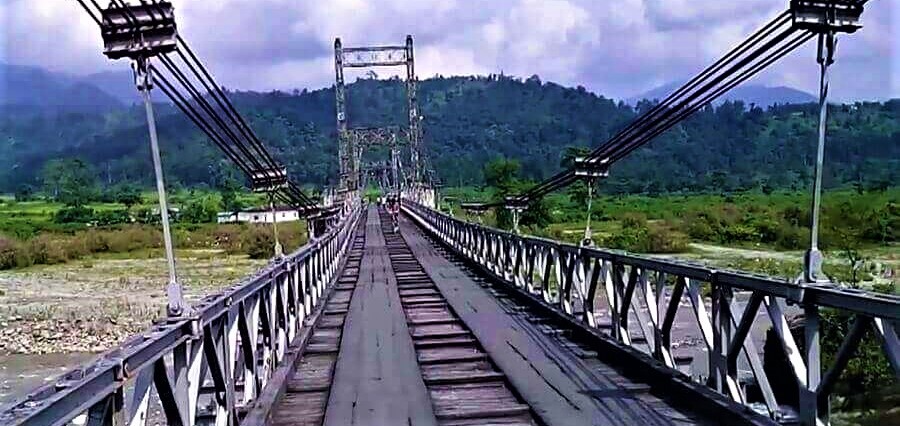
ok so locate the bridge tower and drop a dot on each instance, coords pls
(349, 140)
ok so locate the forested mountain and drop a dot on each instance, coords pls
(467, 122)
(32, 87)
(118, 84)
(749, 94)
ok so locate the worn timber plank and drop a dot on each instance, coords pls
(377, 379)
(563, 384)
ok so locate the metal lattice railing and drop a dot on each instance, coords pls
(203, 368)
(634, 300)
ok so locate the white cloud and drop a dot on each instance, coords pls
(615, 48)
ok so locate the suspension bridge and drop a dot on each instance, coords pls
(397, 313)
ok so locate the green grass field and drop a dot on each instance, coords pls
(751, 231)
(31, 235)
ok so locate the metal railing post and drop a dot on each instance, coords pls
(810, 412)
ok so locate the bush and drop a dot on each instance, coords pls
(8, 253)
(112, 217)
(201, 210)
(19, 230)
(638, 236)
(767, 229)
(258, 242)
(74, 214)
(792, 238)
(50, 249)
(146, 216)
(738, 233)
(887, 288)
(537, 214)
(665, 239)
(24, 193)
(634, 235)
(796, 216)
(133, 238)
(227, 237)
(44, 250)
(704, 225)
(94, 241)
(126, 194)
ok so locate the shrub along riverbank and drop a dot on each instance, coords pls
(50, 248)
(40, 231)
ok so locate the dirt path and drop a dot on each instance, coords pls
(709, 250)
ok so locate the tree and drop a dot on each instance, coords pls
(201, 210)
(71, 181)
(24, 192)
(502, 174)
(471, 120)
(856, 262)
(230, 202)
(127, 194)
(537, 214)
(230, 189)
(51, 176)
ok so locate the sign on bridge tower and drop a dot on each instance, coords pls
(369, 57)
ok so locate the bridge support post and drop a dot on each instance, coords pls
(174, 291)
(515, 207)
(413, 110)
(590, 171)
(515, 213)
(279, 251)
(812, 260)
(127, 34)
(810, 412)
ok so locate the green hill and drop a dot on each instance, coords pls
(468, 121)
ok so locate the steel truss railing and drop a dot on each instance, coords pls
(204, 368)
(575, 281)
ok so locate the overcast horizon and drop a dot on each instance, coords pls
(617, 50)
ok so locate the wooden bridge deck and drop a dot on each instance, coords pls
(411, 336)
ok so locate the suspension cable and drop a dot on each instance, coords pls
(765, 46)
(256, 153)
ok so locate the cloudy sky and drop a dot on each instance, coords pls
(615, 48)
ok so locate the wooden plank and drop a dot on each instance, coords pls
(552, 378)
(377, 379)
(274, 404)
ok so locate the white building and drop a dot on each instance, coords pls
(259, 216)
